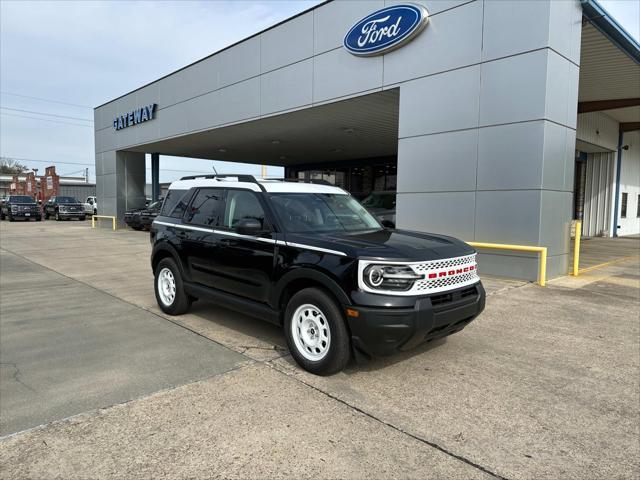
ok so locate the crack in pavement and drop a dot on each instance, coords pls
(16, 375)
(401, 430)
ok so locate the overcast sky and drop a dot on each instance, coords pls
(86, 53)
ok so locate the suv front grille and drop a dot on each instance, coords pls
(447, 274)
(446, 263)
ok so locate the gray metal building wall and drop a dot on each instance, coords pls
(487, 119)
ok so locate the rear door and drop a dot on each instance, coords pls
(244, 264)
(204, 213)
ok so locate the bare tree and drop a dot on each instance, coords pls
(9, 166)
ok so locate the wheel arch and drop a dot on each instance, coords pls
(164, 250)
(301, 278)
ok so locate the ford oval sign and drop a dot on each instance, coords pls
(386, 29)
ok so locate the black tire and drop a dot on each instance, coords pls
(82, 219)
(46, 216)
(339, 346)
(137, 227)
(181, 301)
(2, 217)
(38, 218)
(11, 219)
(95, 211)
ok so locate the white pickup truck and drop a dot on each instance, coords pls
(91, 206)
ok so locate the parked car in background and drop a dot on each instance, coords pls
(91, 206)
(383, 206)
(20, 206)
(62, 208)
(141, 219)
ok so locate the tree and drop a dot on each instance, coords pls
(9, 166)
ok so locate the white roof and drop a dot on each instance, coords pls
(271, 186)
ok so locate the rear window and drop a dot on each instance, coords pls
(207, 207)
(175, 203)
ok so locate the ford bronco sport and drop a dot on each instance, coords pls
(309, 257)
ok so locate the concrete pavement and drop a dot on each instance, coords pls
(544, 385)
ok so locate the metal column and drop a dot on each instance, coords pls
(155, 176)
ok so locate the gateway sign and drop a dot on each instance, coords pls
(386, 30)
(134, 117)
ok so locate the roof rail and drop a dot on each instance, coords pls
(302, 180)
(240, 176)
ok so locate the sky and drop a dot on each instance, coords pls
(84, 53)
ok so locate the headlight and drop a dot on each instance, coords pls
(390, 277)
(14, 208)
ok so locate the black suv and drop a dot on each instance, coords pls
(20, 206)
(309, 257)
(62, 208)
(142, 218)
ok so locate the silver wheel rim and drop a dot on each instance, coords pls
(166, 287)
(311, 333)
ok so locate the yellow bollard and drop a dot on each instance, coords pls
(543, 267)
(93, 222)
(576, 249)
(542, 271)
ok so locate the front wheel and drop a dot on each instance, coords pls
(83, 218)
(169, 288)
(316, 332)
(58, 217)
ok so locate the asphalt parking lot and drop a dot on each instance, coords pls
(96, 382)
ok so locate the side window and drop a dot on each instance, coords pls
(174, 204)
(242, 204)
(207, 207)
(623, 207)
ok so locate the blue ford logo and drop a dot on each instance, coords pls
(386, 29)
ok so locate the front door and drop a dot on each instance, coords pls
(244, 264)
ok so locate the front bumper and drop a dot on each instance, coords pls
(380, 331)
(72, 214)
(25, 215)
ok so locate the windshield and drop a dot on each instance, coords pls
(66, 200)
(21, 199)
(155, 205)
(380, 200)
(322, 213)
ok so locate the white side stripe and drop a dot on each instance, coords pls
(259, 239)
(319, 249)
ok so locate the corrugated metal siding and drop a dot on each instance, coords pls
(589, 124)
(597, 194)
(81, 192)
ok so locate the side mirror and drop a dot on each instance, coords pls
(388, 224)
(249, 226)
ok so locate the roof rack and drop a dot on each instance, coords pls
(240, 176)
(302, 180)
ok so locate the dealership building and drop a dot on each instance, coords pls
(493, 121)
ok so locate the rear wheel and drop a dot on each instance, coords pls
(316, 332)
(169, 288)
